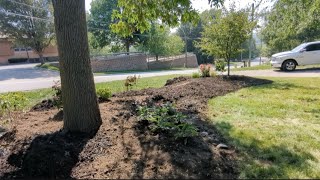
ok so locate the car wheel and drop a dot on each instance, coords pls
(289, 65)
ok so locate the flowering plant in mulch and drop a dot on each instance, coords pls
(205, 70)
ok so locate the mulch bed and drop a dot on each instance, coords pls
(122, 147)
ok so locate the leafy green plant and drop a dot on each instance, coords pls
(165, 118)
(195, 75)
(104, 93)
(57, 97)
(11, 102)
(14, 100)
(220, 65)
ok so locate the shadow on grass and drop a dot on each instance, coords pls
(283, 86)
(265, 162)
(48, 156)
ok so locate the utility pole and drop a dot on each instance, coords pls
(186, 49)
(250, 39)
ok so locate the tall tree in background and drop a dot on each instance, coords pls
(223, 38)
(292, 22)
(99, 22)
(158, 41)
(29, 23)
(80, 107)
(191, 33)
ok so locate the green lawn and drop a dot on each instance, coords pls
(134, 71)
(33, 97)
(275, 127)
(259, 67)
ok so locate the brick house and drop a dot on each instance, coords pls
(7, 51)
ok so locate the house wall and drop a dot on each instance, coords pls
(7, 52)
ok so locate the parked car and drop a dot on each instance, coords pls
(304, 54)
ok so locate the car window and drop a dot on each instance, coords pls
(313, 47)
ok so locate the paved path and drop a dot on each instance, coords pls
(26, 77)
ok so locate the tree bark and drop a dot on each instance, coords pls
(127, 44)
(41, 59)
(80, 107)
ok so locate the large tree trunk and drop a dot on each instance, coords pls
(80, 107)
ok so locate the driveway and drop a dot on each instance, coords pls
(27, 77)
(309, 72)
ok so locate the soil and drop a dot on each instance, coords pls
(123, 147)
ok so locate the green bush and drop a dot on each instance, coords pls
(195, 75)
(166, 119)
(220, 65)
(17, 60)
(104, 93)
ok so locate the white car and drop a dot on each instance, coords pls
(304, 54)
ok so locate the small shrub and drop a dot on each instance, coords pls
(104, 93)
(220, 65)
(165, 118)
(131, 81)
(195, 75)
(57, 97)
(205, 70)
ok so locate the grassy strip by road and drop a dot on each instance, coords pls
(259, 67)
(275, 127)
(139, 71)
(36, 96)
(48, 66)
(54, 68)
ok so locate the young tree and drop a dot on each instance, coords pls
(29, 23)
(80, 107)
(223, 38)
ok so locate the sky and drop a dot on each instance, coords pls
(202, 5)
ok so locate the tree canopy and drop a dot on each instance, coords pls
(99, 22)
(158, 41)
(28, 22)
(292, 22)
(142, 13)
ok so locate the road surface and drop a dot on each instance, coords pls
(25, 77)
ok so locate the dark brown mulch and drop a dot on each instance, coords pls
(122, 147)
(43, 105)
